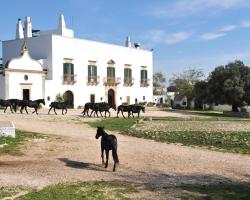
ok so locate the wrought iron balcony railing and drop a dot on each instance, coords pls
(128, 81)
(93, 80)
(69, 79)
(111, 80)
(145, 82)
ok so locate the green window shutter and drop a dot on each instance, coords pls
(142, 75)
(89, 70)
(72, 68)
(146, 74)
(130, 73)
(108, 71)
(113, 72)
(95, 70)
(65, 68)
(126, 73)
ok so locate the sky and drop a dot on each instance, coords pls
(184, 34)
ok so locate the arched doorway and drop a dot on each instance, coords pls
(111, 96)
(68, 96)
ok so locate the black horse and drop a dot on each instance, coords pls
(15, 103)
(88, 106)
(135, 109)
(122, 108)
(35, 104)
(58, 105)
(102, 107)
(6, 104)
(108, 142)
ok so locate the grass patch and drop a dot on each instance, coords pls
(9, 192)
(9, 144)
(235, 142)
(82, 190)
(114, 124)
(217, 192)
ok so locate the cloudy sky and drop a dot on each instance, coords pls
(183, 33)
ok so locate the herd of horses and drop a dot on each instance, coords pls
(89, 108)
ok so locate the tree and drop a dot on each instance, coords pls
(158, 81)
(230, 85)
(184, 82)
(200, 94)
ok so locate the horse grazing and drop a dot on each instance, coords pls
(58, 105)
(88, 106)
(35, 104)
(102, 107)
(122, 108)
(135, 109)
(108, 142)
(6, 104)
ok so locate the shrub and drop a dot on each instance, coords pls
(150, 104)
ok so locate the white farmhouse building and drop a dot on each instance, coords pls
(45, 63)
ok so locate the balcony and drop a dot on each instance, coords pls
(69, 79)
(145, 82)
(111, 81)
(128, 81)
(93, 80)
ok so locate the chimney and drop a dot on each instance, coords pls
(19, 30)
(27, 27)
(128, 42)
(62, 24)
(137, 45)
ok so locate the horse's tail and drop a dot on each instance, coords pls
(114, 154)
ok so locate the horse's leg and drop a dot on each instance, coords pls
(26, 110)
(102, 150)
(91, 114)
(138, 114)
(49, 110)
(6, 109)
(21, 110)
(100, 113)
(36, 110)
(117, 113)
(123, 115)
(107, 158)
(62, 111)
(55, 111)
(66, 111)
(109, 113)
(11, 109)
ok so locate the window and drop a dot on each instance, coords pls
(92, 98)
(92, 73)
(144, 76)
(144, 98)
(68, 71)
(127, 76)
(110, 74)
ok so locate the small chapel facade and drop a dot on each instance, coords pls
(47, 63)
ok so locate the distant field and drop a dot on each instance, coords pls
(221, 135)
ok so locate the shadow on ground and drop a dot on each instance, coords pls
(81, 165)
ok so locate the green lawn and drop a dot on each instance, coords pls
(82, 190)
(228, 141)
(11, 144)
(114, 124)
(119, 190)
(239, 191)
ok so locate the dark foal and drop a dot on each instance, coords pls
(108, 142)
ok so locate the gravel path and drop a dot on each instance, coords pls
(75, 155)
